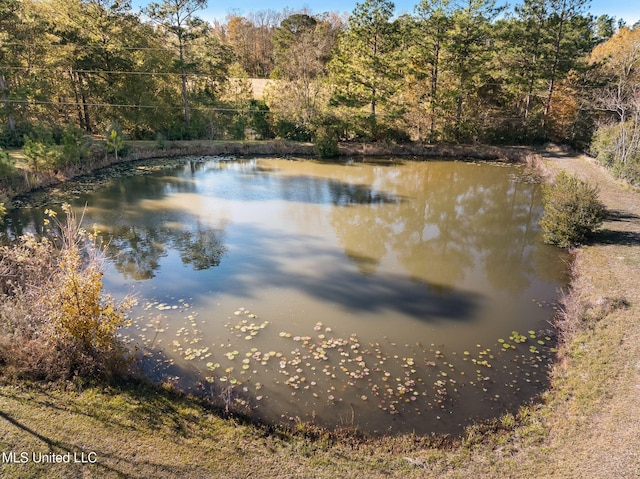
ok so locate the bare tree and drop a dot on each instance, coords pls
(620, 97)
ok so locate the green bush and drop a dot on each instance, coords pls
(115, 141)
(162, 142)
(237, 127)
(259, 119)
(290, 130)
(75, 145)
(572, 210)
(41, 150)
(41, 155)
(14, 138)
(326, 144)
(7, 165)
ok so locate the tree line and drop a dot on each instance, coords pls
(450, 71)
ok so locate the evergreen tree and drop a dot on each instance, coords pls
(177, 17)
(366, 66)
(529, 37)
(572, 38)
(94, 50)
(433, 28)
(470, 51)
(23, 66)
(8, 25)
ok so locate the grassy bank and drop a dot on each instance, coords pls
(587, 425)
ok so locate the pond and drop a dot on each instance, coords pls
(391, 296)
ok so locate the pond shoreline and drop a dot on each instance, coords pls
(516, 180)
(586, 425)
(141, 151)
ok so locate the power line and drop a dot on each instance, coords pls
(87, 47)
(117, 105)
(113, 72)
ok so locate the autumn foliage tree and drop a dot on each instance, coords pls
(454, 70)
(617, 140)
(299, 96)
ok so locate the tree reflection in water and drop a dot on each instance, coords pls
(426, 261)
(137, 250)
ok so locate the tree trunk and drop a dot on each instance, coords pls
(434, 88)
(3, 87)
(533, 68)
(556, 59)
(185, 100)
(87, 118)
(527, 103)
(74, 85)
(374, 92)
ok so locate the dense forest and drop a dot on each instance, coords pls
(452, 71)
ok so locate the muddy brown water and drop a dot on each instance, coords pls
(396, 296)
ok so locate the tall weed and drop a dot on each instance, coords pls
(55, 321)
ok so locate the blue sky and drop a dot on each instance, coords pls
(629, 10)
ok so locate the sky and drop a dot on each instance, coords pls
(629, 10)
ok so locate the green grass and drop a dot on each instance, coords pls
(144, 431)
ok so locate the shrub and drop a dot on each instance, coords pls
(161, 141)
(326, 144)
(259, 120)
(572, 210)
(115, 141)
(42, 154)
(290, 130)
(237, 127)
(390, 134)
(55, 322)
(7, 165)
(14, 138)
(75, 145)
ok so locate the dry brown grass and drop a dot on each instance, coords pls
(594, 417)
(55, 323)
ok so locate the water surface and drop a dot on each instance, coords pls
(385, 296)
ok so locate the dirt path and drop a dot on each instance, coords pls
(619, 198)
(600, 391)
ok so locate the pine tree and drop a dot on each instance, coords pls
(177, 17)
(366, 67)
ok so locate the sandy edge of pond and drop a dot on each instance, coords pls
(587, 426)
